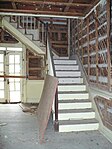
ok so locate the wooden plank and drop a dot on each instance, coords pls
(88, 48)
(96, 28)
(108, 44)
(61, 3)
(11, 76)
(45, 105)
(44, 12)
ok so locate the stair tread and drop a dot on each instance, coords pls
(68, 70)
(72, 92)
(69, 77)
(66, 64)
(75, 110)
(72, 84)
(66, 59)
(73, 122)
(74, 101)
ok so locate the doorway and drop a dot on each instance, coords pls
(10, 70)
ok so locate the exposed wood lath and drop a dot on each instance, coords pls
(91, 40)
(54, 7)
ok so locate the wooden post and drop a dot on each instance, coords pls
(56, 123)
(96, 28)
(108, 44)
(88, 48)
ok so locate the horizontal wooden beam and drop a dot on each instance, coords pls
(59, 46)
(43, 12)
(8, 76)
(58, 42)
(50, 3)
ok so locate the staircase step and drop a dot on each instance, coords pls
(78, 125)
(14, 24)
(73, 95)
(57, 58)
(71, 87)
(68, 73)
(74, 104)
(21, 30)
(29, 36)
(76, 114)
(66, 67)
(34, 32)
(70, 80)
(63, 61)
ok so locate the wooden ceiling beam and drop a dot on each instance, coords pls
(14, 5)
(70, 3)
(42, 12)
(67, 7)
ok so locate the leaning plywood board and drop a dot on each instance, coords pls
(45, 105)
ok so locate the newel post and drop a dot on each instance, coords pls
(56, 123)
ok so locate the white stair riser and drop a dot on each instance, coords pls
(7, 18)
(73, 96)
(22, 30)
(78, 127)
(29, 37)
(68, 73)
(56, 57)
(70, 80)
(65, 62)
(71, 88)
(14, 24)
(60, 67)
(35, 33)
(76, 116)
(82, 105)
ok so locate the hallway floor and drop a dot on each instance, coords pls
(20, 131)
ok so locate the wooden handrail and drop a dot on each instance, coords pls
(56, 123)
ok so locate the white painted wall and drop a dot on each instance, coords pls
(97, 92)
(33, 91)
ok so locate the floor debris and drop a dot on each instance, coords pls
(29, 108)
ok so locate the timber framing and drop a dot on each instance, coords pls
(91, 39)
(54, 7)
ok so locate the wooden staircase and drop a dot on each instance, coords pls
(75, 108)
(22, 30)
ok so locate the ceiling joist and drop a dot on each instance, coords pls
(73, 8)
(42, 12)
(61, 3)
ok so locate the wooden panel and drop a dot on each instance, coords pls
(35, 66)
(105, 110)
(45, 105)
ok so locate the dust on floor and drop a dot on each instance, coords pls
(21, 131)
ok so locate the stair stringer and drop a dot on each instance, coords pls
(19, 36)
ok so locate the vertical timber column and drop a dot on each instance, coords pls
(108, 43)
(96, 28)
(68, 37)
(88, 48)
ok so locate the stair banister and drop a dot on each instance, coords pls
(53, 73)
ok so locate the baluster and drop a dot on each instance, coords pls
(42, 33)
(31, 27)
(34, 22)
(23, 22)
(26, 22)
